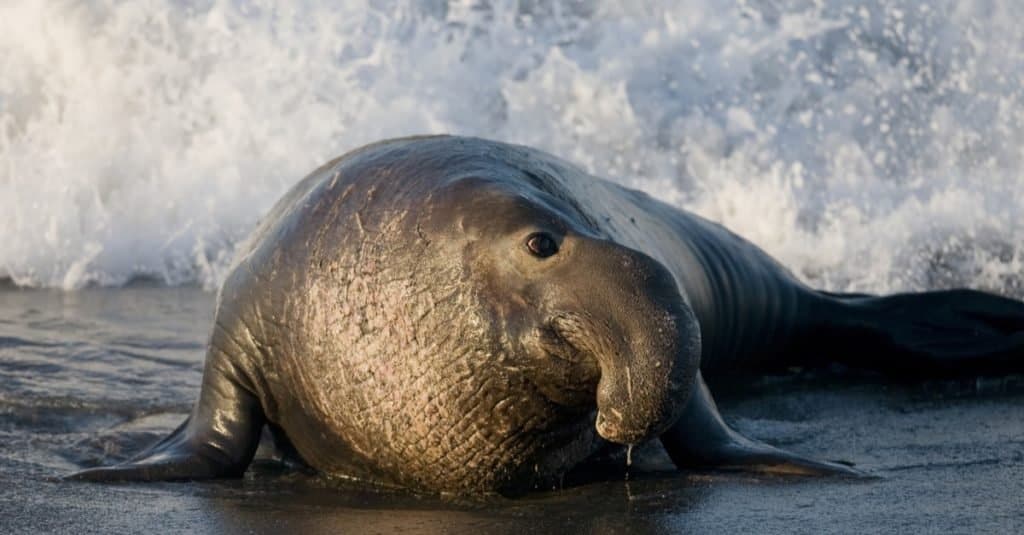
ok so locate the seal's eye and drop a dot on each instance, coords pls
(541, 244)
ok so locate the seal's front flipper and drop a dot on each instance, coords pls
(179, 456)
(931, 333)
(701, 440)
(219, 439)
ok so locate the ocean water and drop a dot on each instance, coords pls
(870, 146)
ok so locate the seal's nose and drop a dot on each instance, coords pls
(648, 367)
(612, 428)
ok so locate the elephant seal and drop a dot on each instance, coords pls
(459, 315)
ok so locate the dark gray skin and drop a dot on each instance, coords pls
(459, 315)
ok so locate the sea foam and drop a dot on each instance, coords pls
(872, 146)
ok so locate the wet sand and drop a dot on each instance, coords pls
(93, 376)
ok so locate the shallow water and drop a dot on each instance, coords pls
(93, 376)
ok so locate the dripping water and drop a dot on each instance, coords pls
(629, 459)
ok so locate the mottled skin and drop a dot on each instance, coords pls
(392, 320)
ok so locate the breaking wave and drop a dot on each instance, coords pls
(870, 147)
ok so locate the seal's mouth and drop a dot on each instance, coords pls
(557, 339)
(570, 373)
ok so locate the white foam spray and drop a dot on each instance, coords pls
(871, 146)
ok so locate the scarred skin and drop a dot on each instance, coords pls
(392, 320)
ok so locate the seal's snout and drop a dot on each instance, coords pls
(636, 404)
(639, 388)
(611, 427)
(645, 339)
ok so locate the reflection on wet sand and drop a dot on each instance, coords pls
(309, 506)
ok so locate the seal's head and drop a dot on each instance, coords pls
(587, 318)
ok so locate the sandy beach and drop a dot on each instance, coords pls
(93, 376)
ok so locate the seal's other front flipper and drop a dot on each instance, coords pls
(219, 439)
(932, 333)
(179, 456)
(701, 440)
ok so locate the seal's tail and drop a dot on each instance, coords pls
(932, 333)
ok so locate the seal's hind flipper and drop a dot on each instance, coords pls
(219, 439)
(931, 333)
(701, 440)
